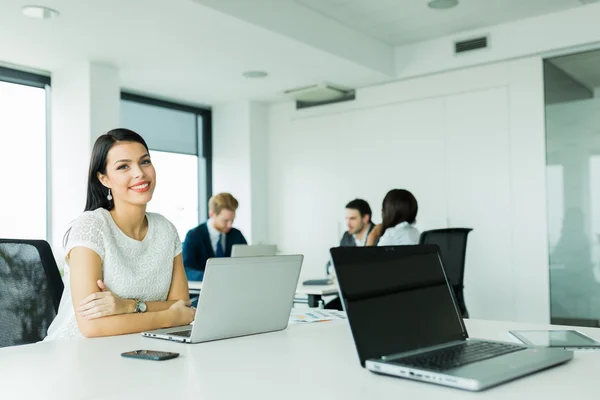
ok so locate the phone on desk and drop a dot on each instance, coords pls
(150, 355)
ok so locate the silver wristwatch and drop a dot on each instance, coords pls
(140, 306)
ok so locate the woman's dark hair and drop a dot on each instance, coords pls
(399, 206)
(96, 191)
(361, 206)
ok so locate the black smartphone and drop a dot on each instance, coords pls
(150, 355)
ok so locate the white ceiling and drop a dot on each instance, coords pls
(195, 51)
(400, 22)
(172, 49)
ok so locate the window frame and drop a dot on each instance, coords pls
(205, 141)
(24, 78)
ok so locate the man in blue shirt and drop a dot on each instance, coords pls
(214, 238)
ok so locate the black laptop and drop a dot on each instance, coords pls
(405, 322)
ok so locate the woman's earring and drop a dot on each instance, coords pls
(109, 197)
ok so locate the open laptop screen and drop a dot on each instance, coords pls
(397, 298)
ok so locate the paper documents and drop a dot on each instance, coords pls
(304, 315)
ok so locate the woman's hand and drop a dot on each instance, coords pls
(374, 235)
(182, 313)
(104, 303)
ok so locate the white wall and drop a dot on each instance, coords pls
(240, 164)
(469, 144)
(528, 218)
(231, 158)
(259, 168)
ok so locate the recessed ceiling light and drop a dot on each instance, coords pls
(255, 74)
(442, 4)
(39, 12)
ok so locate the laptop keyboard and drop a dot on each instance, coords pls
(186, 333)
(457, 356)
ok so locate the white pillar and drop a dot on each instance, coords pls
(259, 172)
(240, 164)
(85, 104)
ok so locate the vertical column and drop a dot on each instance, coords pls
(240, 163)
(259, 172)
(531, 279)
(85, 104)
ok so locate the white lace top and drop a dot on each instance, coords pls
(131, 269)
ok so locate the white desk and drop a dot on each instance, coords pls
(314, 293)
(326, 290)
(304, 362)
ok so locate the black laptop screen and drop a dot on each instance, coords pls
(397, 298)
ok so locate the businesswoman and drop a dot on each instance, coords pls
(124, 272)
(399, 215)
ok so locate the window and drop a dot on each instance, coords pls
(179, 138)
(573, 189)
(23, 160)
(176, 194)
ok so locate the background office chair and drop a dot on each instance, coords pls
(30, 290)
(453, 249)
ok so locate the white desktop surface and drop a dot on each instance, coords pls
(321, 290)
(324, 290)
(311, 361)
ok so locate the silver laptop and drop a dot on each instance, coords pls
(255, 250)
(240, 296)
(405, 322)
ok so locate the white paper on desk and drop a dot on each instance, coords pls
(304, 315)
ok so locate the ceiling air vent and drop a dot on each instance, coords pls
(319, 94)
(470, 45)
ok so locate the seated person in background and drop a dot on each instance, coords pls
(358, 221)
(116, 244)
(213, 238)
(399, 214)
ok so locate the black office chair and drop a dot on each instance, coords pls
(30, 290)
(453, 249)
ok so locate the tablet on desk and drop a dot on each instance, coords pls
(566, 339)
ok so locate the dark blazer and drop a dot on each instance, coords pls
(197, 249)
(348, 241)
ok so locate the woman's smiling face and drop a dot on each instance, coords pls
(130, 174)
